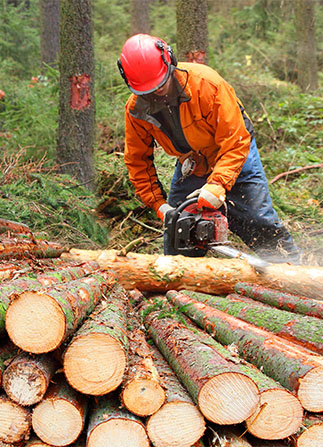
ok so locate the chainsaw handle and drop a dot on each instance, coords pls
(195, 200)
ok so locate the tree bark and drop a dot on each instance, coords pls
(15, 227)
(296, 368)
(40, 281)
(7, 352)
(285, 301)
(24, 248)
(143, 393)
(15, 421)
(139, 10)
(77, 102)
(59, 418)
(27, 378)
(210, 275)
(113, 426)
(224, 394)
(178, 421)
(301, 329)
(49, 15)
(96, 358)
(192, 30)
(307, 78)
(55, 313)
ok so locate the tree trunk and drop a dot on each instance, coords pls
(96, 358)
(192, 30)
(178, 422)
(24, 248)
(307, 78)
(285, 301)
(113, 426)
(55, 313)
(142, 393)
(49, 16)
(59, 418)
(77, 103)
(139, 10)
(296, 368)
(15, 421)
(27, 378)
(301, 329)
(209, 275)
(40, 281)
(224, 394)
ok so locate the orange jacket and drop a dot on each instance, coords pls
(213, 122)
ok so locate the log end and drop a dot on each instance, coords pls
(118, 432)
(95, 364)
(143, 397)
(24, 383)
(228, 398)
(311, 437)
(278, 416)
(35, 322)
(57, 422)
(310, 391)
(14, 422)
(176, 423)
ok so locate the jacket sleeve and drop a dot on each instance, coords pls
(231, 136)
(139, 159)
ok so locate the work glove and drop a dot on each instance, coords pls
(163, 210)
(211, 195)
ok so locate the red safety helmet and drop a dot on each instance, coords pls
(145, 63)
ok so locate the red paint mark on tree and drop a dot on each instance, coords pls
(196, 56)
(80, 92)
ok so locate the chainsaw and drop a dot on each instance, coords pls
(189, 228)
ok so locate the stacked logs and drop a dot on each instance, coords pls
(86, 362)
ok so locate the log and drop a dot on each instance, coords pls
(110, 425)
(178, 422)
(40, 281)
(96, 359)
(301, 329)
(15, 227)
(296, 368)
(15, 421)
(209, 275)
(221, 436)
(312, 432)
(285, 301)
(59, 418)
(27, 378)
(65, 306)
(7, 352)
(36, 442)
(24, 248)
(143, 393)
(222, 392)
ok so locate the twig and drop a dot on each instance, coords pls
(268, 120)
(294, 171)
(129, 246)
(145, 226)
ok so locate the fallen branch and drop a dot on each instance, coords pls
(294, 171)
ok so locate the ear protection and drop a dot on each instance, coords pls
(160, 45)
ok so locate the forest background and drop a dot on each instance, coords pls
(251, 46)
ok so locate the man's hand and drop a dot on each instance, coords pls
(163, 210)
(211, 195)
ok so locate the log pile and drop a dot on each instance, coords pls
(90, 355)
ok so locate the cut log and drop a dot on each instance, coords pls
(307, 331)
(142, 393)
(59, 418)
(96, 359)
(285, 301)
(223, 393)
(40, 281)
(65, 306)
(110, 425)
(209, 275)
(15, 421)
(221, 436)
(296, 368)
(312, 432)
(36, 442)
(178, 422)
(15, 227)
(7, 352)
(24, 248)
(27, 378)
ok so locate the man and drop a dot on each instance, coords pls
(194, 114)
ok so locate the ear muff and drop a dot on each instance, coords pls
(123, 74)
(160, 45)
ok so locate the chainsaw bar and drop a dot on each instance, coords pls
(258, 264)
